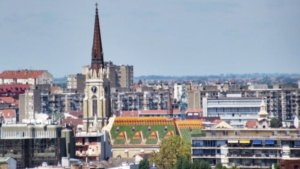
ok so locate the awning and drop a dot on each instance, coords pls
(256, 142)
(245, 141)
(233, 141)
(270, 142)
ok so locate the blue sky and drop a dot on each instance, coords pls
(169, 37)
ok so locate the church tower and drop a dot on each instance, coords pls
(96, 103)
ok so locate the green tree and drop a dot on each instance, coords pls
(170, 150)
(275, 123)
(183, 163)
(195, 165)
(276, 166)
(234, 167)
(200, 165)
(220, 166)
(144, 164)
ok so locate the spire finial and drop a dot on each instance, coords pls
(96, 5)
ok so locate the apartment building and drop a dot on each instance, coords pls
(31, 145)
(125, 75)
(282, 102)
(195, 94)
(31, 77)
(244, 148)
(76, 82)
(234, 110)
(92, 146)
(145, 100)
(64, 102)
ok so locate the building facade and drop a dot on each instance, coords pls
(144, 100)
(31, 77)
(258, 148)
(31, 145)
(76, 82)
(125, 75)
(282, 102)
(234, 110)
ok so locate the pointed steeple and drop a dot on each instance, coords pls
(97, 51)
(263, 114)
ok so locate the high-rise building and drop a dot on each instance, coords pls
(178, 91)
(125, 74)
(193, 97)
(113, 75)
(120, 76)
(96, 104)
(29, 104)
(76, 82)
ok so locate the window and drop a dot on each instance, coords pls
(95, 107)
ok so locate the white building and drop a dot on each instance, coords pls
(235, 111)
(31, 77)
(178, 91)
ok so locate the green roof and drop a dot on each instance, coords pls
(162, 131)
(186, 133)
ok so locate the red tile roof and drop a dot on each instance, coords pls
(21, 74)
(70, 121)
(194, 110)
(9, 100)
(251, 124)
(129, 114)
(19, 88)
(216, 121)
(78, 114)
(8, 113)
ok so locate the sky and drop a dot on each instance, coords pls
(157, 37)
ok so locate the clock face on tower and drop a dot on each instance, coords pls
(94, 89)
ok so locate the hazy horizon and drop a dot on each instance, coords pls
(165, 38)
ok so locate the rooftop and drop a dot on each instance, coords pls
(21, 74)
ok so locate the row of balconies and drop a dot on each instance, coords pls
(262, 147)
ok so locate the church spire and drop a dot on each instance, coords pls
(97, 51)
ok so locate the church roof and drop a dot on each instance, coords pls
(223, 124)
(97, 51)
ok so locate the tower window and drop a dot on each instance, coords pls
(95, 107)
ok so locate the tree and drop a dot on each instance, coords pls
(170, 150)
(183, 163)
(220, 166)
(144, 164)
(276, 166)
(195, 165)
(275, 123)
(200, 165)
